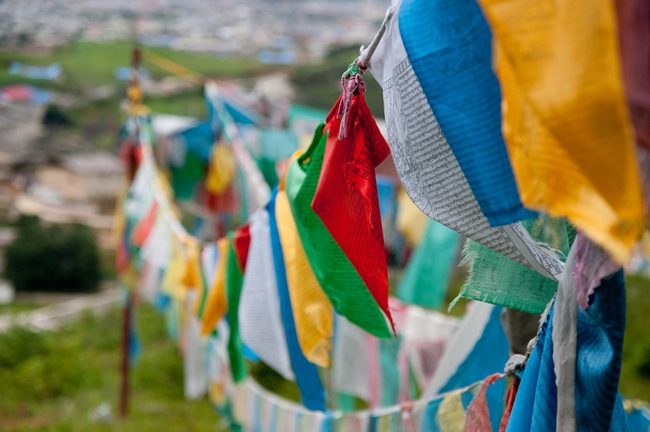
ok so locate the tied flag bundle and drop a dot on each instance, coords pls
(334, 182)
(347, 188)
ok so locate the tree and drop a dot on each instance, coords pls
(61, 258)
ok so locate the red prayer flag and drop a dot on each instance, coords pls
(143, 229)
(477, 418)
(241, 243)
(510, 402)
(346, 198)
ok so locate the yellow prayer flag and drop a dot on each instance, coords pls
(172, 283)
(565, 120)
(411, 222)
(221, 170)
(451, 414)
(217, 302)
(311, 308)
(192, 274)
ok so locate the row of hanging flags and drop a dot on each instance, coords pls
(522, 127)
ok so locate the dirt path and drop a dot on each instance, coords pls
(52, 316)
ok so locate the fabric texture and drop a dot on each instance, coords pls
(237, 242)
(564, 337)
(338, 278)
(634, 39)
(496, 279)
(600, 332)
(427, 274)
(449, 45)
(311, 388)
(259, 310)
(477, 349)
(592, 265)
(350, 364)
(428, 168)
(221, 170)
(311, 309)
(346, 199)
(217, 300)
(477, 418)
(564, 103)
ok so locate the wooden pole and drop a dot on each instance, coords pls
(124, 361)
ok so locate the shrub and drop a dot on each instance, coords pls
(55, 116)
(53, 257)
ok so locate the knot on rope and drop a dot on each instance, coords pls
(515, 364)
(352, 84)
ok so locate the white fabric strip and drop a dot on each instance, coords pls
(259, 308)
(460, 345)
(428, 167)
(350, 360)
(565, 333)
(196, 380)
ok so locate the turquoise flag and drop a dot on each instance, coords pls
(427, 274)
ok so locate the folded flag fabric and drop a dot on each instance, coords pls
(478, 348)
(221, 170)
(426, 334)
(238, 243)
(428, 167)
(255, 192)
(387, 191)
(195, 380)
(634, 38)
(463, 409)
(593, 264)
(172, 283)
(427, 274)
(312, 310)
(565, 119)
(350, 363)
(311, 388)
(410, 221)
(186, 177)
(156, 249)
(260, 321)
(209, 259)
(449, 45)
(143, 229)
(337, 276)
(638, 415)
(496, 279)
(597, 370)
(346, 199)
(217, 301)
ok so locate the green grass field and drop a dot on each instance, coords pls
(88, 64)
(55, 381)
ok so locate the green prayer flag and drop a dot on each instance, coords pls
(234, 281)
(335, 273)
(425, 279)
(496, 279)
(185, 178)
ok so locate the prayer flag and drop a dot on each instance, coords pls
(565, 120)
